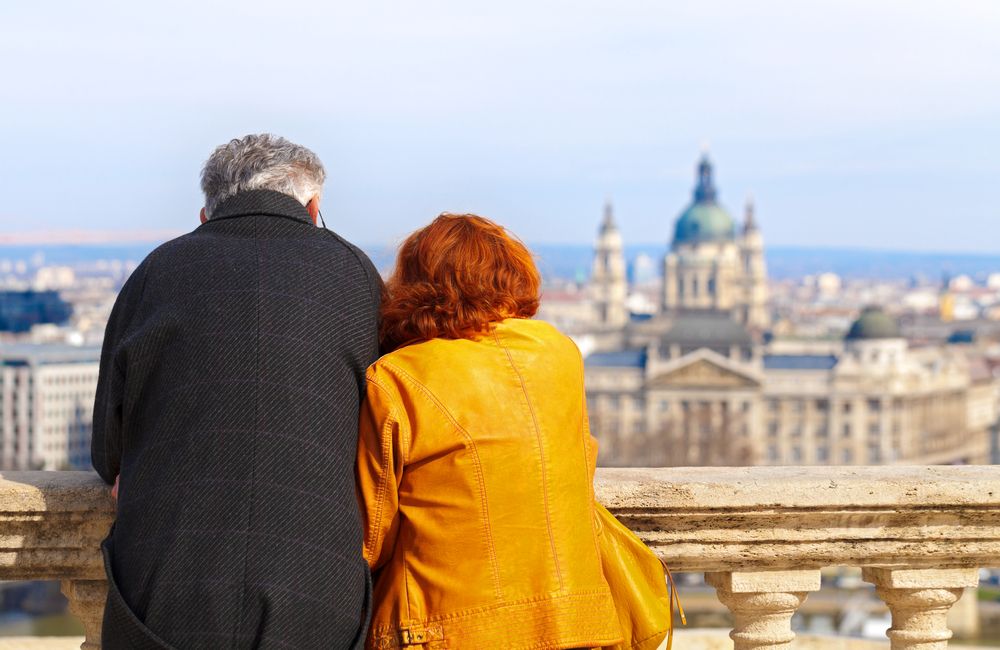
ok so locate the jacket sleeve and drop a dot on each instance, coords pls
(106, 441)
(383, 435)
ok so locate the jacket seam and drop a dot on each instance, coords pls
(478, 464)
(574, 595)
(541, 454)
(383, 488)
(253, 448)
(586, 435)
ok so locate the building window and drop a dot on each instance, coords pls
(772, 405)
(772, 428)
(822, 454)
(847, 456)
(822, 431)
(847, 430)
(875, 405)
(772, 453)
(847, 407)
(664, 405)
(822, 405)
(874, 429)
(796, 406)
(796, 454)
(874, 454)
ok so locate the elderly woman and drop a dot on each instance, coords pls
(475, 461)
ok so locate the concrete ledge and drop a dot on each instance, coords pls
(936, 523)
(761, 518)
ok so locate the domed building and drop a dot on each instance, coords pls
(873, 325)
(697, 384)
(711, 266)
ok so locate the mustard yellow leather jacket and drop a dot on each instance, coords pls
(475, 473)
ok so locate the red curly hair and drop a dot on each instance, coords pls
(454, 278)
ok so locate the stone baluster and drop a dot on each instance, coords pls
(919, 600)
(762, 603)
(86, 603)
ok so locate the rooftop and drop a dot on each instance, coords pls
(799, 361)
(41, 353)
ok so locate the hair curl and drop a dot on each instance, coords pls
(453, 279)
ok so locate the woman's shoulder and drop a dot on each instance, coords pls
(424, 357)
(539, 332)
(409, 359)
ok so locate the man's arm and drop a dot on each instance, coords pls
(106, 442)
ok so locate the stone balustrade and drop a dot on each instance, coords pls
(761, 535)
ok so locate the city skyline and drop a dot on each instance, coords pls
(855, 125)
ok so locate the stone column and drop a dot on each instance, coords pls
(919, 600)
(86, 603)
(762, 603)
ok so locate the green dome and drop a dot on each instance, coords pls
(704, 222)
(873, 324)
(705, 219)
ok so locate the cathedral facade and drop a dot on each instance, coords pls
(695, 383)
(711, 264)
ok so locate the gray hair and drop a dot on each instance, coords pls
(261, 162)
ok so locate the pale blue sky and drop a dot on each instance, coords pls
(854, 123)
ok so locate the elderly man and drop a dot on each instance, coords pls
(230, 383)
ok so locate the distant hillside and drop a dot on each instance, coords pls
(572, 261)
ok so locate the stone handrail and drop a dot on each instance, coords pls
(761, 535)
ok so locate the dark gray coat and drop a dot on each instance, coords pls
(230, 382)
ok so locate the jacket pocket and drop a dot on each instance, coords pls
(122, 629)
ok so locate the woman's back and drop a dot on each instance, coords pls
(476, 469)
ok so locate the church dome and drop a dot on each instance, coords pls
(704, 219)
(873, 323)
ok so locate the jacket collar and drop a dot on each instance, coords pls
(266, 202)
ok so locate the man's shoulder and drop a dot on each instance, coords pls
(347, 247)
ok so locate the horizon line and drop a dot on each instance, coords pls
(78, 237)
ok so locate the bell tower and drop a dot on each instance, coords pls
(608, 283)
(754, 271)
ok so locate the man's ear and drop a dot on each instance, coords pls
(313, 208)
(203, 216)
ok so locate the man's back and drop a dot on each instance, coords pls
(230, 391)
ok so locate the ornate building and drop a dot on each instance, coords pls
(709, 265)
(695, 384)
(876, 401)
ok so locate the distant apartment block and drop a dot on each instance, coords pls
(20, 310)
(46, 405)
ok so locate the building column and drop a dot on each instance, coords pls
(762, 603)
(919, 600)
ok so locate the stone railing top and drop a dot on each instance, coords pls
(698, 519)
(54, 491)
(730, 519)
(690, 488)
